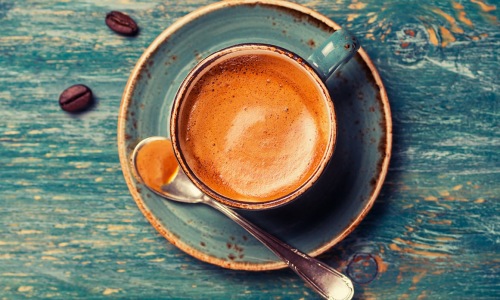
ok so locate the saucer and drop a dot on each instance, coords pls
(322, 216)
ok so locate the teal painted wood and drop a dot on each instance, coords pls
(70, 229)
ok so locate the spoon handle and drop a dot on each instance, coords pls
(325, 280)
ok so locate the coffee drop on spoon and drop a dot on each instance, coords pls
(156, 164)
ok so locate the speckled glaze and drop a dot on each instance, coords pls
(322, 216)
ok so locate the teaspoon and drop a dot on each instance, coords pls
(326, 281)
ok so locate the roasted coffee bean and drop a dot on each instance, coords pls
(121, 23)
(76, 98)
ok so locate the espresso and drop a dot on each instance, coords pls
(254, 127)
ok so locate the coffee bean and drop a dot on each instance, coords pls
(121, 23)
(76, 98)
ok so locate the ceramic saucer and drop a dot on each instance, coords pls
(317, 220)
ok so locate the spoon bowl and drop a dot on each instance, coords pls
(180, 189)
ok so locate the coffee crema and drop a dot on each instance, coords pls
(255, 127)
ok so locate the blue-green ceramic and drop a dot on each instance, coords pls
(328, 211)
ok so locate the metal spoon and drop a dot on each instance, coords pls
(328, 282)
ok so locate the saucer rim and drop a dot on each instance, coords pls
(125, 161)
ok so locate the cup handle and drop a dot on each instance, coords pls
(333, 53)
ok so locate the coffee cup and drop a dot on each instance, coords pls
(253, 125)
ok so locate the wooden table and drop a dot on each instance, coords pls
(69, 228)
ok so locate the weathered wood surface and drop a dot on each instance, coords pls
(69, 228)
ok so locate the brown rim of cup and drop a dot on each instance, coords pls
(189, 80)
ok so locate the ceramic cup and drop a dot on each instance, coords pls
(337, 50)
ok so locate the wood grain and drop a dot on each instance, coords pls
(69, 228)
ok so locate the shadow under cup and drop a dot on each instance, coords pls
(253, 126)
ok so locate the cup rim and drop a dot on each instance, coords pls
(174, 119)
